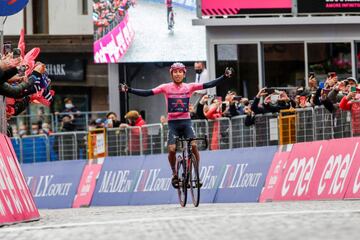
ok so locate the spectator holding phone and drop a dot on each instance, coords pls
(256, 107)
(347, 101)
(341, 89)
(232, 106)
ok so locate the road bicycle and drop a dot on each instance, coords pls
(187, 168)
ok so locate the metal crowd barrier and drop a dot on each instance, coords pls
(25, 121)
(242, 136)
(80, 119)
(305, 126)
(224, 133)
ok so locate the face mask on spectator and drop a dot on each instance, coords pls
(22, 132)
(34, 132)
(198, 71)
(69, 105)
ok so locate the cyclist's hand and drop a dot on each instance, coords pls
(229, 72)
(123, 87)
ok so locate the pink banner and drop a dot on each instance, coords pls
(335, 168)
(231, 7)
(246, 4)
(87, 185)
(275, 173)
(16, 202)
(113, 46)
(353, 188)
(299, 170)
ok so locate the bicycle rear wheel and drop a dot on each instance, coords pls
(194, 181)
(182, 189)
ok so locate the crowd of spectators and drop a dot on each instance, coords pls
(109, 13)
(23, 80)
(331, 93)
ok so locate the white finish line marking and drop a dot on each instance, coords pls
(139, 220)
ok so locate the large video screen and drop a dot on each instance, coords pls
(328, 6)
(113, 33)
(240, 7)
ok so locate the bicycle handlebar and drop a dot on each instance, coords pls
(188, 140)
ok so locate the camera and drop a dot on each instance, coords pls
(269, 90)
(274, 98)
(7, 48)
(237, 98)
(16, 53)
(21, 70)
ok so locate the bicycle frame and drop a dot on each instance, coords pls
(186, 179)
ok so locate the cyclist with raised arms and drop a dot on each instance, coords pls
(177, 94)
(169, 9)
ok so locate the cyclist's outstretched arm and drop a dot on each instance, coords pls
(142, 92)
(214, 83)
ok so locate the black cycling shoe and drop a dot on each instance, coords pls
(175, 181)
(199, 185)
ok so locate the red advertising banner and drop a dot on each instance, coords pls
(353, 188)
(334, 169)
(275, 173)
(299, 170)
(16, 202)
(231, 7)
(87, 185)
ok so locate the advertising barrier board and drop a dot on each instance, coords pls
(153, 183)
(16, 203)
(54, 184)
(87, 185)
(228, 176)
(275, 173)
(323, 170)
(334, 169)
(244, 174)
(299, 170)
(117, 181)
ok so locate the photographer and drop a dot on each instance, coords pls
(112, 120)
(341, 89)
(321, 95)
(233, 105)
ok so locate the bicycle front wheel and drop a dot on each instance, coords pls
(182, 189)
(194, 181)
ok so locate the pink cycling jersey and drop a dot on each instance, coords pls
(169, 3)
(178, 98)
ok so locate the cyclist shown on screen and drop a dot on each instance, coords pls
(170, 15)
(177, 94)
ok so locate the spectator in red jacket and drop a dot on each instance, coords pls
(135, 121)
(213, 112)
(347, 101)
